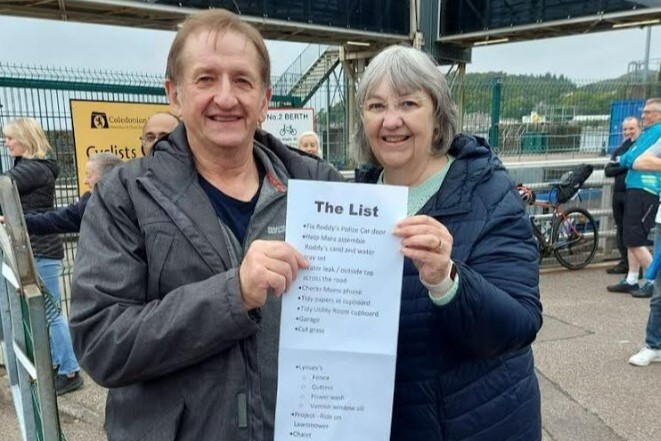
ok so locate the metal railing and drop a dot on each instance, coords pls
(23, 315)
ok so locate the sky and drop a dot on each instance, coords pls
(77, 45)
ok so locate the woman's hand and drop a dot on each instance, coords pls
(429, 244)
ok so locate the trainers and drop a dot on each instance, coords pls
(623, 286)
(64, 384)
(645, 356)
(620, 268)
(644, 292)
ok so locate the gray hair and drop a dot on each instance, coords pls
(656, 102)
(104, 162)
(316, 138)
(312, 134)
(632, 119)
(408, 70)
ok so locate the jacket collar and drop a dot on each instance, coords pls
(172, 180)
(474, 162)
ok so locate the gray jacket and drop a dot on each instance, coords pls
(157, 315)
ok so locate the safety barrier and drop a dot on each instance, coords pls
(24, 338)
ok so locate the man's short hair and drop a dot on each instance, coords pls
(104, 162)
(215, 20)
(656, 102)
(632, 119)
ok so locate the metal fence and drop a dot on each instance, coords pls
(524, 117)
(43, 93)
(528, 116)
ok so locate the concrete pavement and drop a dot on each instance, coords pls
(589, 392)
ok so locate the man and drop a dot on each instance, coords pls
(68, 219)
(641, 204)
(630, 132)
(157, 126)
(181, 263)
(651, 352)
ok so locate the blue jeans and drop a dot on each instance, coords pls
(653, 331)
(61, 348)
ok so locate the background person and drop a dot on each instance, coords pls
(176, 303)
(157, 126)
(651, 351)
(630, 132)
(470, 297)
(68, 219)
(309, 143)
(34, 173)
(642, 202)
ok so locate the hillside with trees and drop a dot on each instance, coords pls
(523, 94)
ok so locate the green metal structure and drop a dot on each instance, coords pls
(23, 315)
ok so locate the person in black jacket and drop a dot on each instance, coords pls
(68, 219)
(182, 260)
(630, 131)
(34, 173)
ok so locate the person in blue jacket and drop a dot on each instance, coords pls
(68, 219)
(470, 305)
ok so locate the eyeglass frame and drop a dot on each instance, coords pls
(417, 99)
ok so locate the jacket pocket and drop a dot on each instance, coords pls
(165, 428)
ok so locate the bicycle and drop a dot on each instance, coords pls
(570, 236)
(288, 130)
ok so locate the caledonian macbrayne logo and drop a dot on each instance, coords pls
(99, 120)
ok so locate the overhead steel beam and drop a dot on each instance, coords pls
(572, 26)
(164, 17)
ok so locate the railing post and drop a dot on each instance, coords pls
(606, 223)
(25, 329)
(495, 112)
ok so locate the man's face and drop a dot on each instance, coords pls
(221, 97)
(92, 175)
(651, 114)
(630, 130)
(156, 126)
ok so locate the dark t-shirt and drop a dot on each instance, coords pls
(232, 212)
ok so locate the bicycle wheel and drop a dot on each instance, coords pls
(574, 238)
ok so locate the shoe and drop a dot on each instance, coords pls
(623, 286)
(64, 384)
(620, 268)
(645, 356)
(645, 291)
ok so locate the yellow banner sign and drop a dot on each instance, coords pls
(107, 126)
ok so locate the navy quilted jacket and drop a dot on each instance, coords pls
(465, 371)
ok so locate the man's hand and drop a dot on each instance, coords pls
(268, 265)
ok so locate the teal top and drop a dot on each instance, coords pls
(649, 181)
(418, 197)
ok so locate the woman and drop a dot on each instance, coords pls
(68, 219)
(470, 298)
(34, 174)
(309, 143)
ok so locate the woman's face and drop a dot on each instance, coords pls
(309, 145)
(15, 148)
(399, 128)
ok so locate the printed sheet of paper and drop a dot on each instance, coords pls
(340, 318)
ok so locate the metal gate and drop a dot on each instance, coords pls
(24, 336)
